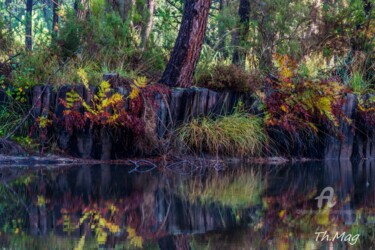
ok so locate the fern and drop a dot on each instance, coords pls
(104, 108)
(324, 106)
(72, 97)
(298, 103)
(83, 76)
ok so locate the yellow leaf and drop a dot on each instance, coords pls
(281, 214)
(41, 201)
(322, 217)
(136, 241)
(84, 78)
(284, 108)
(101, 237)
(81, 243)
(140, 81)
(134, 93)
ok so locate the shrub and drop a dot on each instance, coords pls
(238, 134)
(5, 38)
(295, 103)
(229, 77)
(366, 110)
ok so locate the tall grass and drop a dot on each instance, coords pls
(358, 83)
(238, 134)
(11, 114)
(239, 189)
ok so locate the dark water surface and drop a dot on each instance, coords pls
(246, 207)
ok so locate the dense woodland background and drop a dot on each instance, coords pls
(310, 51)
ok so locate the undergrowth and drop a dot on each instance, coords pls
(295, 103)
(229, 77)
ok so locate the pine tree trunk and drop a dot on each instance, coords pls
(29, 25)
(55, 17)
(221, 29)
(186, 51)
(82, 8)
(127, 6)
(240, 35)
(148, 21)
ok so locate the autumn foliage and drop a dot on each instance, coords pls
(109, 108)
(294, 103)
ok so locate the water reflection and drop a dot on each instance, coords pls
(259, 207)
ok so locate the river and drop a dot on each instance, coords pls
(246, 206)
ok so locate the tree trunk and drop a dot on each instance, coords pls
(221, 29)
(45, 14)
(126, 7)
(147, 23)
(268, 40)
(55, 17)
(240, 35)
(29, 25)
(8, 20)
(186, 51)
(82, 8)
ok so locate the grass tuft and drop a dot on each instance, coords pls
(358, 83)
(238, 134)
(238, 190)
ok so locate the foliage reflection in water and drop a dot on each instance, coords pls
(103, 206)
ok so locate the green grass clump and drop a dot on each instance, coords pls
(238, 190)
(238, 134)
(358, 83)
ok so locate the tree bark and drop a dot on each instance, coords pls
(147, 23)
(268, 36)
(29, 25)
(55, 17)
(221, 29)
(125, 8)
(82, 8)
(186, 51)
(240, 35)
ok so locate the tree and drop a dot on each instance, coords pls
(188, 45)
(55, 17)
(240, 35)
(147, 23)
(82, 8)
(29, 25)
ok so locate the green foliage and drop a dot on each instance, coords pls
(11, 114)
(238, 134)
(357, 83)
(26, 75)
(6, 39)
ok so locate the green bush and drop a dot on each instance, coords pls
(5, 38)
(238, 134)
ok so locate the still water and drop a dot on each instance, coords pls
(245, 207)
